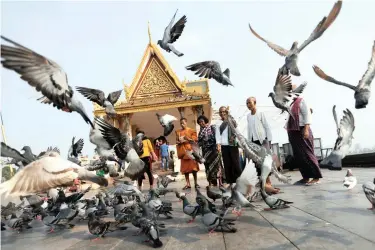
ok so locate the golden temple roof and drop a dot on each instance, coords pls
(155, 83)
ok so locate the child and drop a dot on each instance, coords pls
(164, 151)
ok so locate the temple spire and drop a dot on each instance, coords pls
(149, 33)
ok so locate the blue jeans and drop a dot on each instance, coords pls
(164, 165)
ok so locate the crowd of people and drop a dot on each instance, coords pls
(224, 160)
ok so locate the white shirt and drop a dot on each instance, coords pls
(258, 128)
(304, 115)
(221, 139)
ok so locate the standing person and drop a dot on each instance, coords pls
(164, 152)
(259, 133)
(184, 137)
(207, 141)
(302, 140)
(227, 145)
(148, 152)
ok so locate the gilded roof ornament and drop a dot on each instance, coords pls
(149, 33)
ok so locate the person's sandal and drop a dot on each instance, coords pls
(186, 187)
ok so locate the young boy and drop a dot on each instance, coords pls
(164, 151)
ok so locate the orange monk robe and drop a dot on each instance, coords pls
(187, 164)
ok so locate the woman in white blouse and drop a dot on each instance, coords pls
(302, 141)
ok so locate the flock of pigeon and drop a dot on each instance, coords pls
(49, 172)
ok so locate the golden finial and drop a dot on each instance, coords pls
(149, 32)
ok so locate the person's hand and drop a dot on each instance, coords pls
(306, 133)
(219, 148)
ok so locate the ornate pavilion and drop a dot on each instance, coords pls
(156, 89)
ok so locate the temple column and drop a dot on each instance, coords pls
(125, 124)
(197, 111)
(181, 110)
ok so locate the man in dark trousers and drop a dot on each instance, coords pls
(227, 145)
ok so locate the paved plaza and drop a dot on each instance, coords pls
(324, 216)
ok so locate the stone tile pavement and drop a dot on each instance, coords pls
(324, 216)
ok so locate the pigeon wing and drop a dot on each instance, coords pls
(278, 49)
(114, 137)
(40, 175)
(207, 69)
(335, 118)
(94, 95)
(77, 147)
(177, 29)
(347, 125)
(168, 29)
(300, 88)
(282, 88)
(328, 78)
(248, 177)
(114, 96)
(323, 25)
(41, 73)
(370, 72)
(7, 151)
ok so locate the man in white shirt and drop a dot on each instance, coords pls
(259, 132)
(227, 145)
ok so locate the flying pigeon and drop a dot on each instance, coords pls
(48, 172)
(369, 189)
(76, 148)
(291, 56)
(166, 121)
(98, 96)
(123, 147)
(45, 75)
(297, 92)
(350, 181)
(211, 69)
(171, 34)
(362, 91)
(283, 92)
(25, 158)
(343, 142)
(103, 148)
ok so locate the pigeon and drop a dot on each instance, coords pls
(164, 180)
(123, 148)
(211, 69)
(166, 121)
(213, 221)
(25, 158)
(350, 181)
(343, 142)
(45, 75)
(50, 171)
(210, 205)
(103, 148)
(369, 189)
(187, 208)
(171, 34)
(362, 91)
(291, 56)
(98, 96)
(100, 228)
(297, 92)
(195, 153)
(282, 92)
(75, 150)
